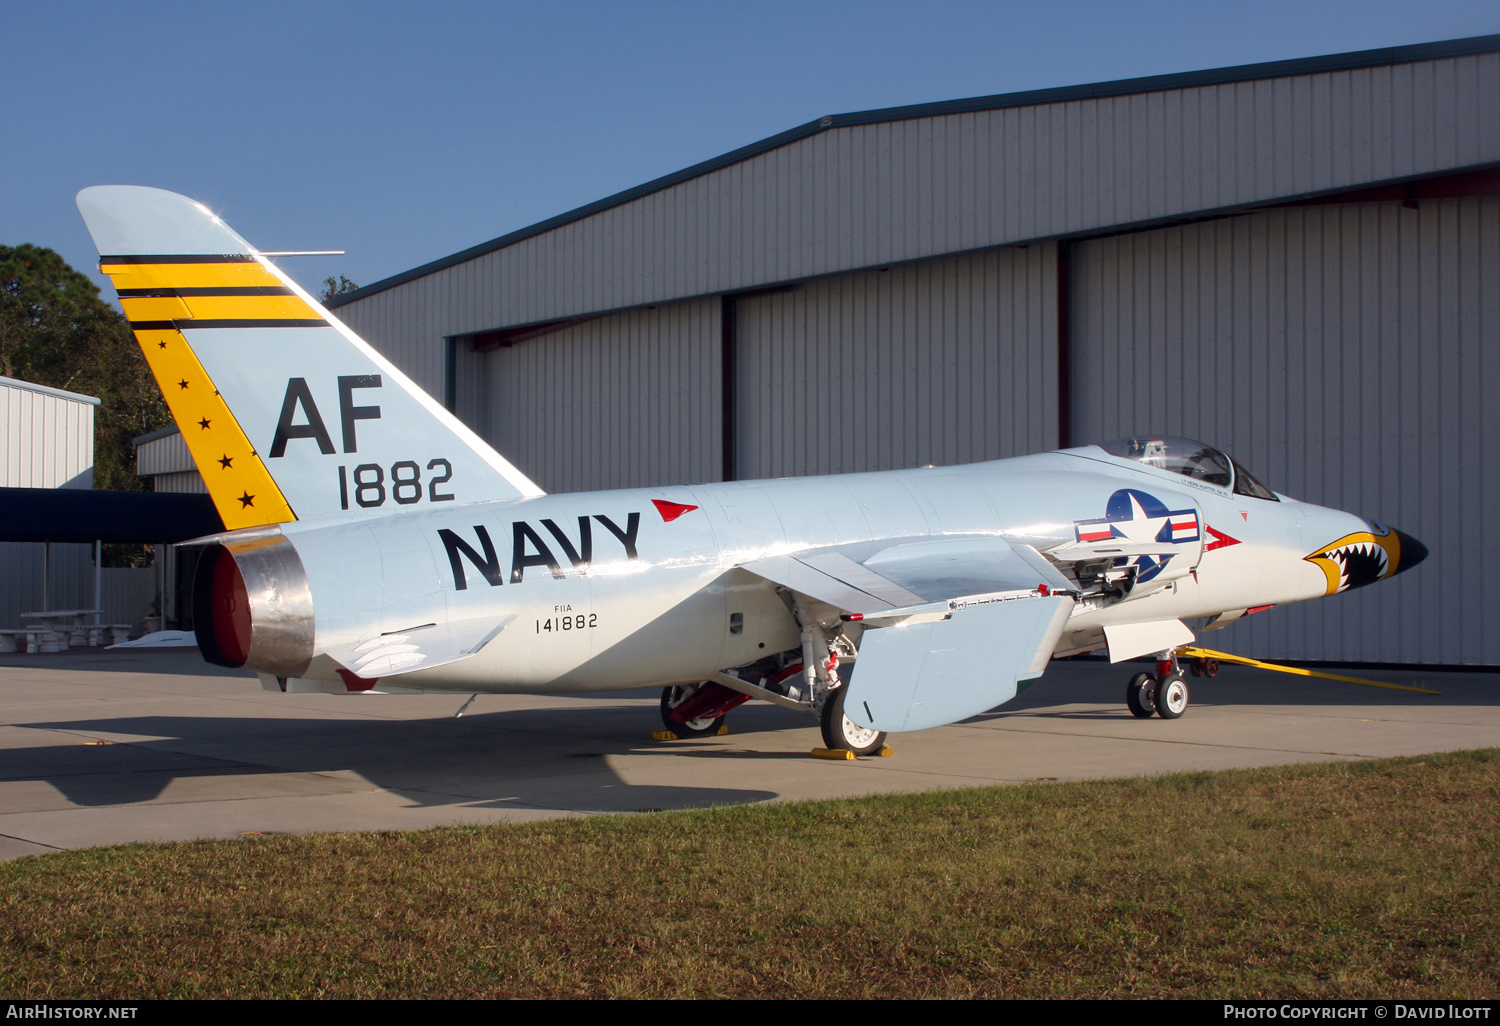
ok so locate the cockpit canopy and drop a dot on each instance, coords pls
(1190, 459)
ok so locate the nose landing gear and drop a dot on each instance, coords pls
(1165, 694)
(1140, 696)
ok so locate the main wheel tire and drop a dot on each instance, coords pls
(1171, 696)
(671, 698)
(840, 732)
(1140, 695)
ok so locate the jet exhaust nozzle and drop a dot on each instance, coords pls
(252, 606)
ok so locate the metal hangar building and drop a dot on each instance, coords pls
(1297, 262)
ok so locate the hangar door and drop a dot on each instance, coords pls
(944, 361)
(1345, 355)
(624, 400)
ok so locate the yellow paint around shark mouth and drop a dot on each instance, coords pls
(1358, 559)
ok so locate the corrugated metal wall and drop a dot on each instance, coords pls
(70, 585)
(408, 327)
(621, 401)
(868, 195)
(1348, 355)
(165, 455)
(946, 361)
(185, 481)
(46, 439)
(126, 592)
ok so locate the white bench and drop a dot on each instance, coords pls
(10, 639)
(38, 639)
(118, 632)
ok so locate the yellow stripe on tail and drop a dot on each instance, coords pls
(237, 479)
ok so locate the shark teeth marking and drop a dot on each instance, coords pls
(1359, 562)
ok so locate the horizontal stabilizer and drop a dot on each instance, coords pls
(420, 648)
(922, 675)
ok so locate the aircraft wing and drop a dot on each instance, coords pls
(959, 622)
(900, 574)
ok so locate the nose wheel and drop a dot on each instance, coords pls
(1140, 696)
(1171, 696)
(1163, 694)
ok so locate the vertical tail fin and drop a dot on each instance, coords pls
(288, 413)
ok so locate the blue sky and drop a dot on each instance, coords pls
(404, 132)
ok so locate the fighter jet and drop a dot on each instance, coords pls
(377, 545)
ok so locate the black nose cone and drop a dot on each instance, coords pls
(1412, 552)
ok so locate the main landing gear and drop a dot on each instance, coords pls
(697, 710)
(1165, 694)
(840, 732)
(812, 683)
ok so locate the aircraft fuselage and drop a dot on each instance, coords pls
(605, 592)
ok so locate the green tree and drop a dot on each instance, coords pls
(56, 330)
(333, 288)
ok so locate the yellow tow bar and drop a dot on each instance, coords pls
(1193, 652)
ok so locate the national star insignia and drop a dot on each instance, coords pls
(1142, 526)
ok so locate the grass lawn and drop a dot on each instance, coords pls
(1367, 879)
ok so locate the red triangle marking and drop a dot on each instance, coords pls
(670, 511)
(1221, 540)
(1244, 514)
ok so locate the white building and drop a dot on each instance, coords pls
(47, 441)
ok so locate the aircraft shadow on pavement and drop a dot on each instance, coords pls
(175, 661)
(545, 759)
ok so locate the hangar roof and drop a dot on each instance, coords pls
(56, 393)
(1029, 98)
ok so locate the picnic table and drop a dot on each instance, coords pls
(48, 636)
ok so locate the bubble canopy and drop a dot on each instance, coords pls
(1190, 459)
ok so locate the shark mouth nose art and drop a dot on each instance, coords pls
(1365, 557)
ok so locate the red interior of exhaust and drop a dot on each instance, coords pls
(231, 610)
